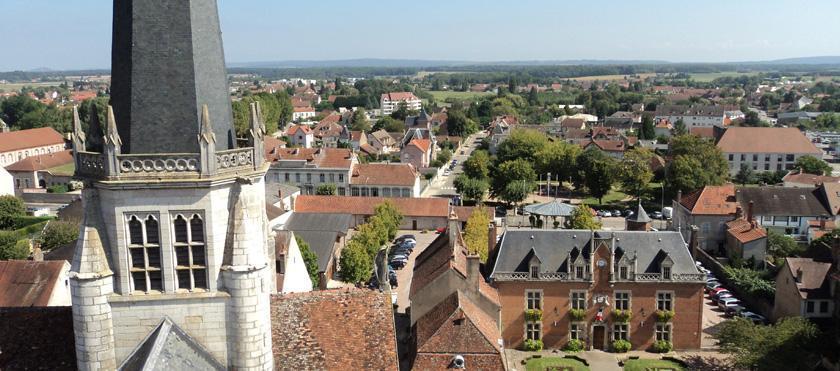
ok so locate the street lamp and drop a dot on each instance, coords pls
(548, 190)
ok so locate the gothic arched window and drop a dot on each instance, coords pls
(144, 253)
(190, 252)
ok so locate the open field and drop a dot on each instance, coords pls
(708, 77)
(612, 77)
(460, 95)
(10, 87)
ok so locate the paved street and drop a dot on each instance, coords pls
(712, 317)
(404, 275)
(444, 185)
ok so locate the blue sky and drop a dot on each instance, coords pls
(74, 34)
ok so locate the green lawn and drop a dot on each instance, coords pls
(13, 87)
(651, 365)
(709, 76)
(560, 364)
(66, 169)
(611, 198)
(460, 95)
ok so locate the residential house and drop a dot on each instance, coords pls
(419, 153)
(613, 147)
(303, 113)
(34, 283)
(791, 118)
(42, 171)
(382, 141)
(708, 208)
(746, 240)
(663, 128)
(281, 195)
(326, 235)
(500, 130)
(454, 312)
(692, 116)
(785, 210)
(346, 329)
(623, 121)
(803, 289)
(803, 102)
(418, 213)
(390, 102)
(577, 280)
(308, 168)
(301, 136)
(439, 122)
(570, 123)
(18, 145)
(7, 183)
(291, 274)
(423, 121)
(797, 178)
(819, 228)
(328, 133)
(765, 149)
(385, 180)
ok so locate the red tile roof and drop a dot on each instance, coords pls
(606, 145)
(409, 207)
(306, 129)
(422, 144)
(304, 109)
(31, 138)
(711, 200)
(766, 140)
(399, 96)
(703, 132)
(745, 231)
(464, 212)
(334, 158)
(805, 178)
(333, 118)
(28, 283)
(334, 330)
(42, 162)
(384, 174)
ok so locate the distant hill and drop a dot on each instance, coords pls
(804, 60)
(419, 63)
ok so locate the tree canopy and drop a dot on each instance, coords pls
(310, 259)
(476, 234)
(513, 181)
(696, 163)
(787, 345)
(582, 218)
(813, 165)
(635, 171)
(597, 171)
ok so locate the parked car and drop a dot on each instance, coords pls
(667, 212)
(716, 298)
(440, 230)
(616, 213)
(401, 251)
(656, 215)
(398, 261)
(755, 317)
(447, 172)
(392, 278)
(728, 302)
(606, 214)
(408, 244)
(733, 310)
(405, 237)
(711, 286)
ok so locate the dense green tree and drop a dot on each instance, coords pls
(58, 233)
(680, 128)
(513, 181)
(471, 189)
(597, 172)
(10, 207)
(356, 265)
(745, 175)
(635, 171)
(813, 165)
(558, 158)
(389, 124)
(787, 345)
(310, 260)
(648, 130)
(478, 165)
(326, 190)
(582, 218)
(359, 121)
(476, 234)
(696, 163)
(276, 108)
(521, 144)
(401, 113)
(780, 246)
(458, 124)
(10, 249)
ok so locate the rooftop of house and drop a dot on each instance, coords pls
(30, 138)
(384, 175)
(573, 123)
(711, 200)
(26, 283)
(421, 144)
(304, 109)
(831, 194)
(766, 140)
(744, 230)
(37, 338)
(329, 158)
(333, 118)
(694, 110)
(814, 283)
(800, 177)
(702, 131)
(295, 128)
(399, 96)
(770, 201)
(418, 207)
(350, 329)
(464, 212)
(558, 249)
(605, 145)
(275, 192)
(61, 161)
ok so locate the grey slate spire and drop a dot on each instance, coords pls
(167, 62)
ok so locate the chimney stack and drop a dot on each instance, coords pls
(679, 197)
(474, 270)
(739, 212)
(694, 244)
(750, 210)
(798, 275)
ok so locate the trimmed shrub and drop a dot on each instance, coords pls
(533, 315)
(574, 345)
(662, 346)
(664, 315)
(532, 345)
(622, 316)
(621, 346)
(577, 314)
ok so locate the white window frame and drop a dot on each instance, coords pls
(625, 331)
(532, 328)
(664, 331)
(629, 299)
(534, 271)
(671, 299)
(142, 218)
(577, 330)
(573, 302)
(191, 246)
(535, 296)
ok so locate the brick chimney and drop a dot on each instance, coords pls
(474, 270)
(739, 212)
(798, 275)
(750, 215)
(491, 240)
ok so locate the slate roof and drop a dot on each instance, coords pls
(640, 215)
(37, 338)
(168, 347)
(766, 140)
(815, 283)
(551, 208)
(320, 231)
(30, 138)
(273, 191)
(419, 207)
(769, 201)
(333, 330)
(556, 247)
(26, 283)
(384, 174)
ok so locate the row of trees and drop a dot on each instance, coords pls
(357, 258)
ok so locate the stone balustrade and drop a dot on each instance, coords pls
(563, 276)
(161, 166)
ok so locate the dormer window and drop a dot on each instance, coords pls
(666, 273)
(622, 272)
(535, 272)
(580, 272)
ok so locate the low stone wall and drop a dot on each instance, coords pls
(51, 198)
(754, 304)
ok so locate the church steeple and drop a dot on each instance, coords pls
(167, 62)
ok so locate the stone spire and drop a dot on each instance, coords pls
(94, 137)
(78, 134)
(245, 236)
(112, 145)
(256, 135)
(207, 143)
(167, 62)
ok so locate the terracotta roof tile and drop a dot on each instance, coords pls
(744, 231)
(384, 174)
(28, 283)
(805, 178)
(334, 158)
(306, 129)
(418, 207)
(42, 162)
(334, 330)
(422, 144)
(464, 212)
(457, 326)
(31, 138)
(711, 200)
(814, 283)
(766, 140)
(399, 96)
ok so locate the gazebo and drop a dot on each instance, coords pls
(551, 209)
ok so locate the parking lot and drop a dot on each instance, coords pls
(404, 274)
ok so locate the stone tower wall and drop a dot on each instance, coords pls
(92, 323)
